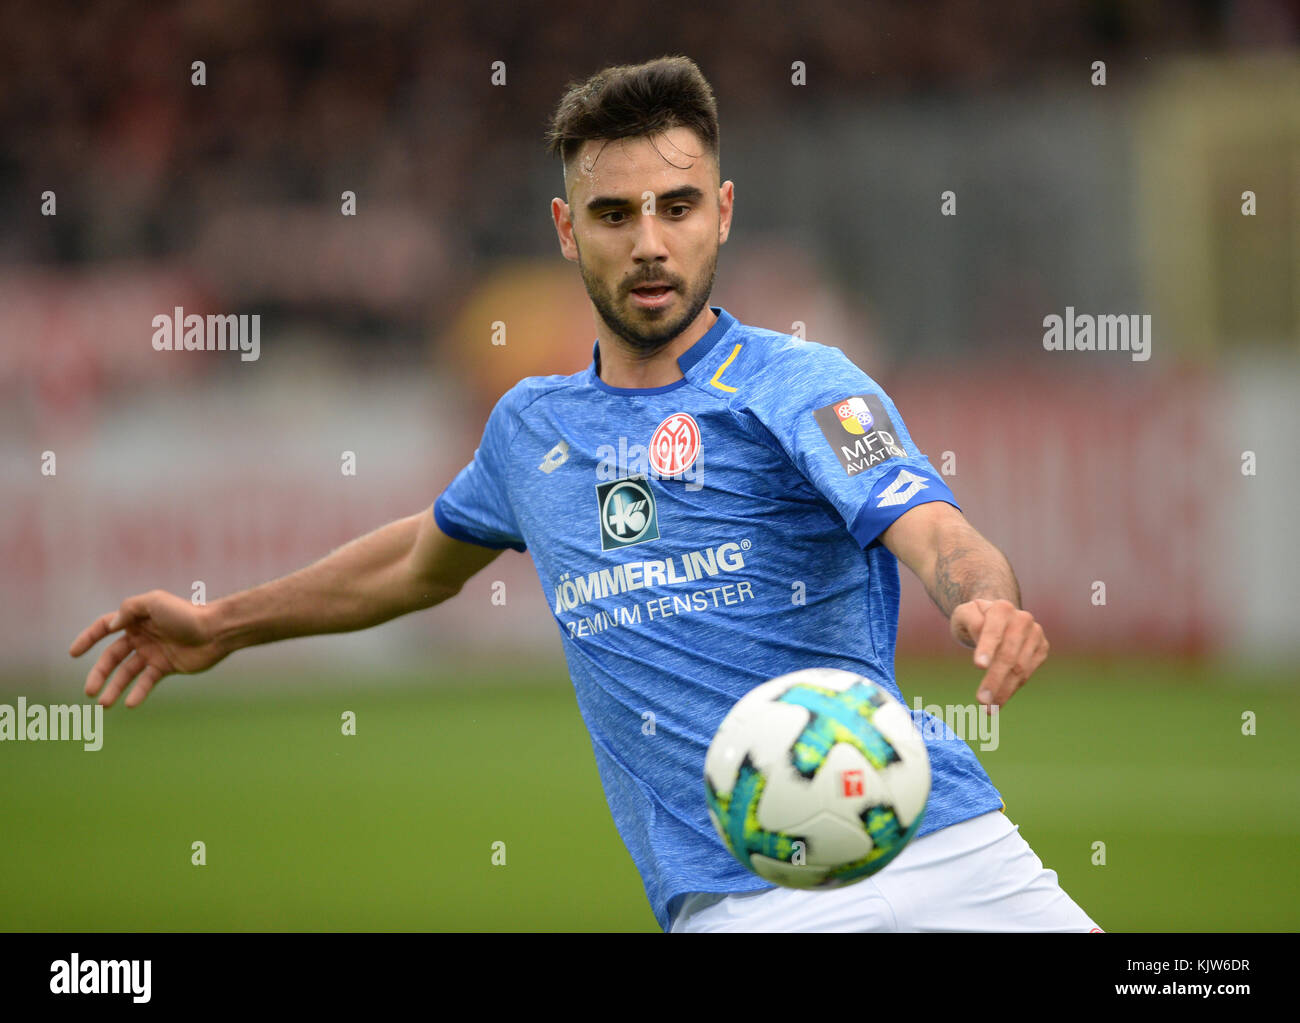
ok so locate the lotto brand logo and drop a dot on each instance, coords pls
(854, 783)
(855, 416)
(674, 445)
(555, 458)
(627, 513)
(906, 486)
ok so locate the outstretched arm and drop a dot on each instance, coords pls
(404, 566)
(974, 586)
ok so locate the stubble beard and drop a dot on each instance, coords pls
(647, 336)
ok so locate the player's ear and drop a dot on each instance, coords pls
(561, 214)
(726, 203)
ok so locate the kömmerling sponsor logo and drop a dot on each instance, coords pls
(572, 591)
(1104, 333)
(213, 333)
(75, 722)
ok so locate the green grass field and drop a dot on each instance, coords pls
(392, 829)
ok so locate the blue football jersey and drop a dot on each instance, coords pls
(694, 541)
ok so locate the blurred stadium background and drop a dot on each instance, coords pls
(178, 468)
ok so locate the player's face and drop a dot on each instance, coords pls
(622, 249)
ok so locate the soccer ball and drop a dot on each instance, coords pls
(817, 779)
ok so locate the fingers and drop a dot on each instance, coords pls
(119, 661)
(1032, 660)
(149, 678)
(97, 630)
(132, 609)
(1022, 650)
(112, 656)
(123, 677)
(1002, 679)
(995, 625)
(967, 621)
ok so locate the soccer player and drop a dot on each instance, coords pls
(675, 497)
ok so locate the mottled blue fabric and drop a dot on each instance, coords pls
(766, 561)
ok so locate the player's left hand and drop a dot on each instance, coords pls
(1007, 641)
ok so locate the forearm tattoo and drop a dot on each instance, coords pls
(963, 571)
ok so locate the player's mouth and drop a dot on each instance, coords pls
(652, 296)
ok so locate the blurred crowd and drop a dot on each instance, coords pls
(225, 198)
(393, 98)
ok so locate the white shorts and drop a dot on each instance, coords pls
(979, 875)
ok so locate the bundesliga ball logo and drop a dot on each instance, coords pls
(675, 445)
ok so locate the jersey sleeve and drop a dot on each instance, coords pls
(475, 507)
(846, 437)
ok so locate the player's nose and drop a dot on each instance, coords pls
(650, 242)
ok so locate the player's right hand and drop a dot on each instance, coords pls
(161, 635)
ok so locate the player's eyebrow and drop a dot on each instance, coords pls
(601, 203)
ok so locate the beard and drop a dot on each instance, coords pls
(648, 331)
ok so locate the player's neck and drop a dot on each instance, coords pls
(621, 366)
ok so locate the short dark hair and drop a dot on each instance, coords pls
(634, 100)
